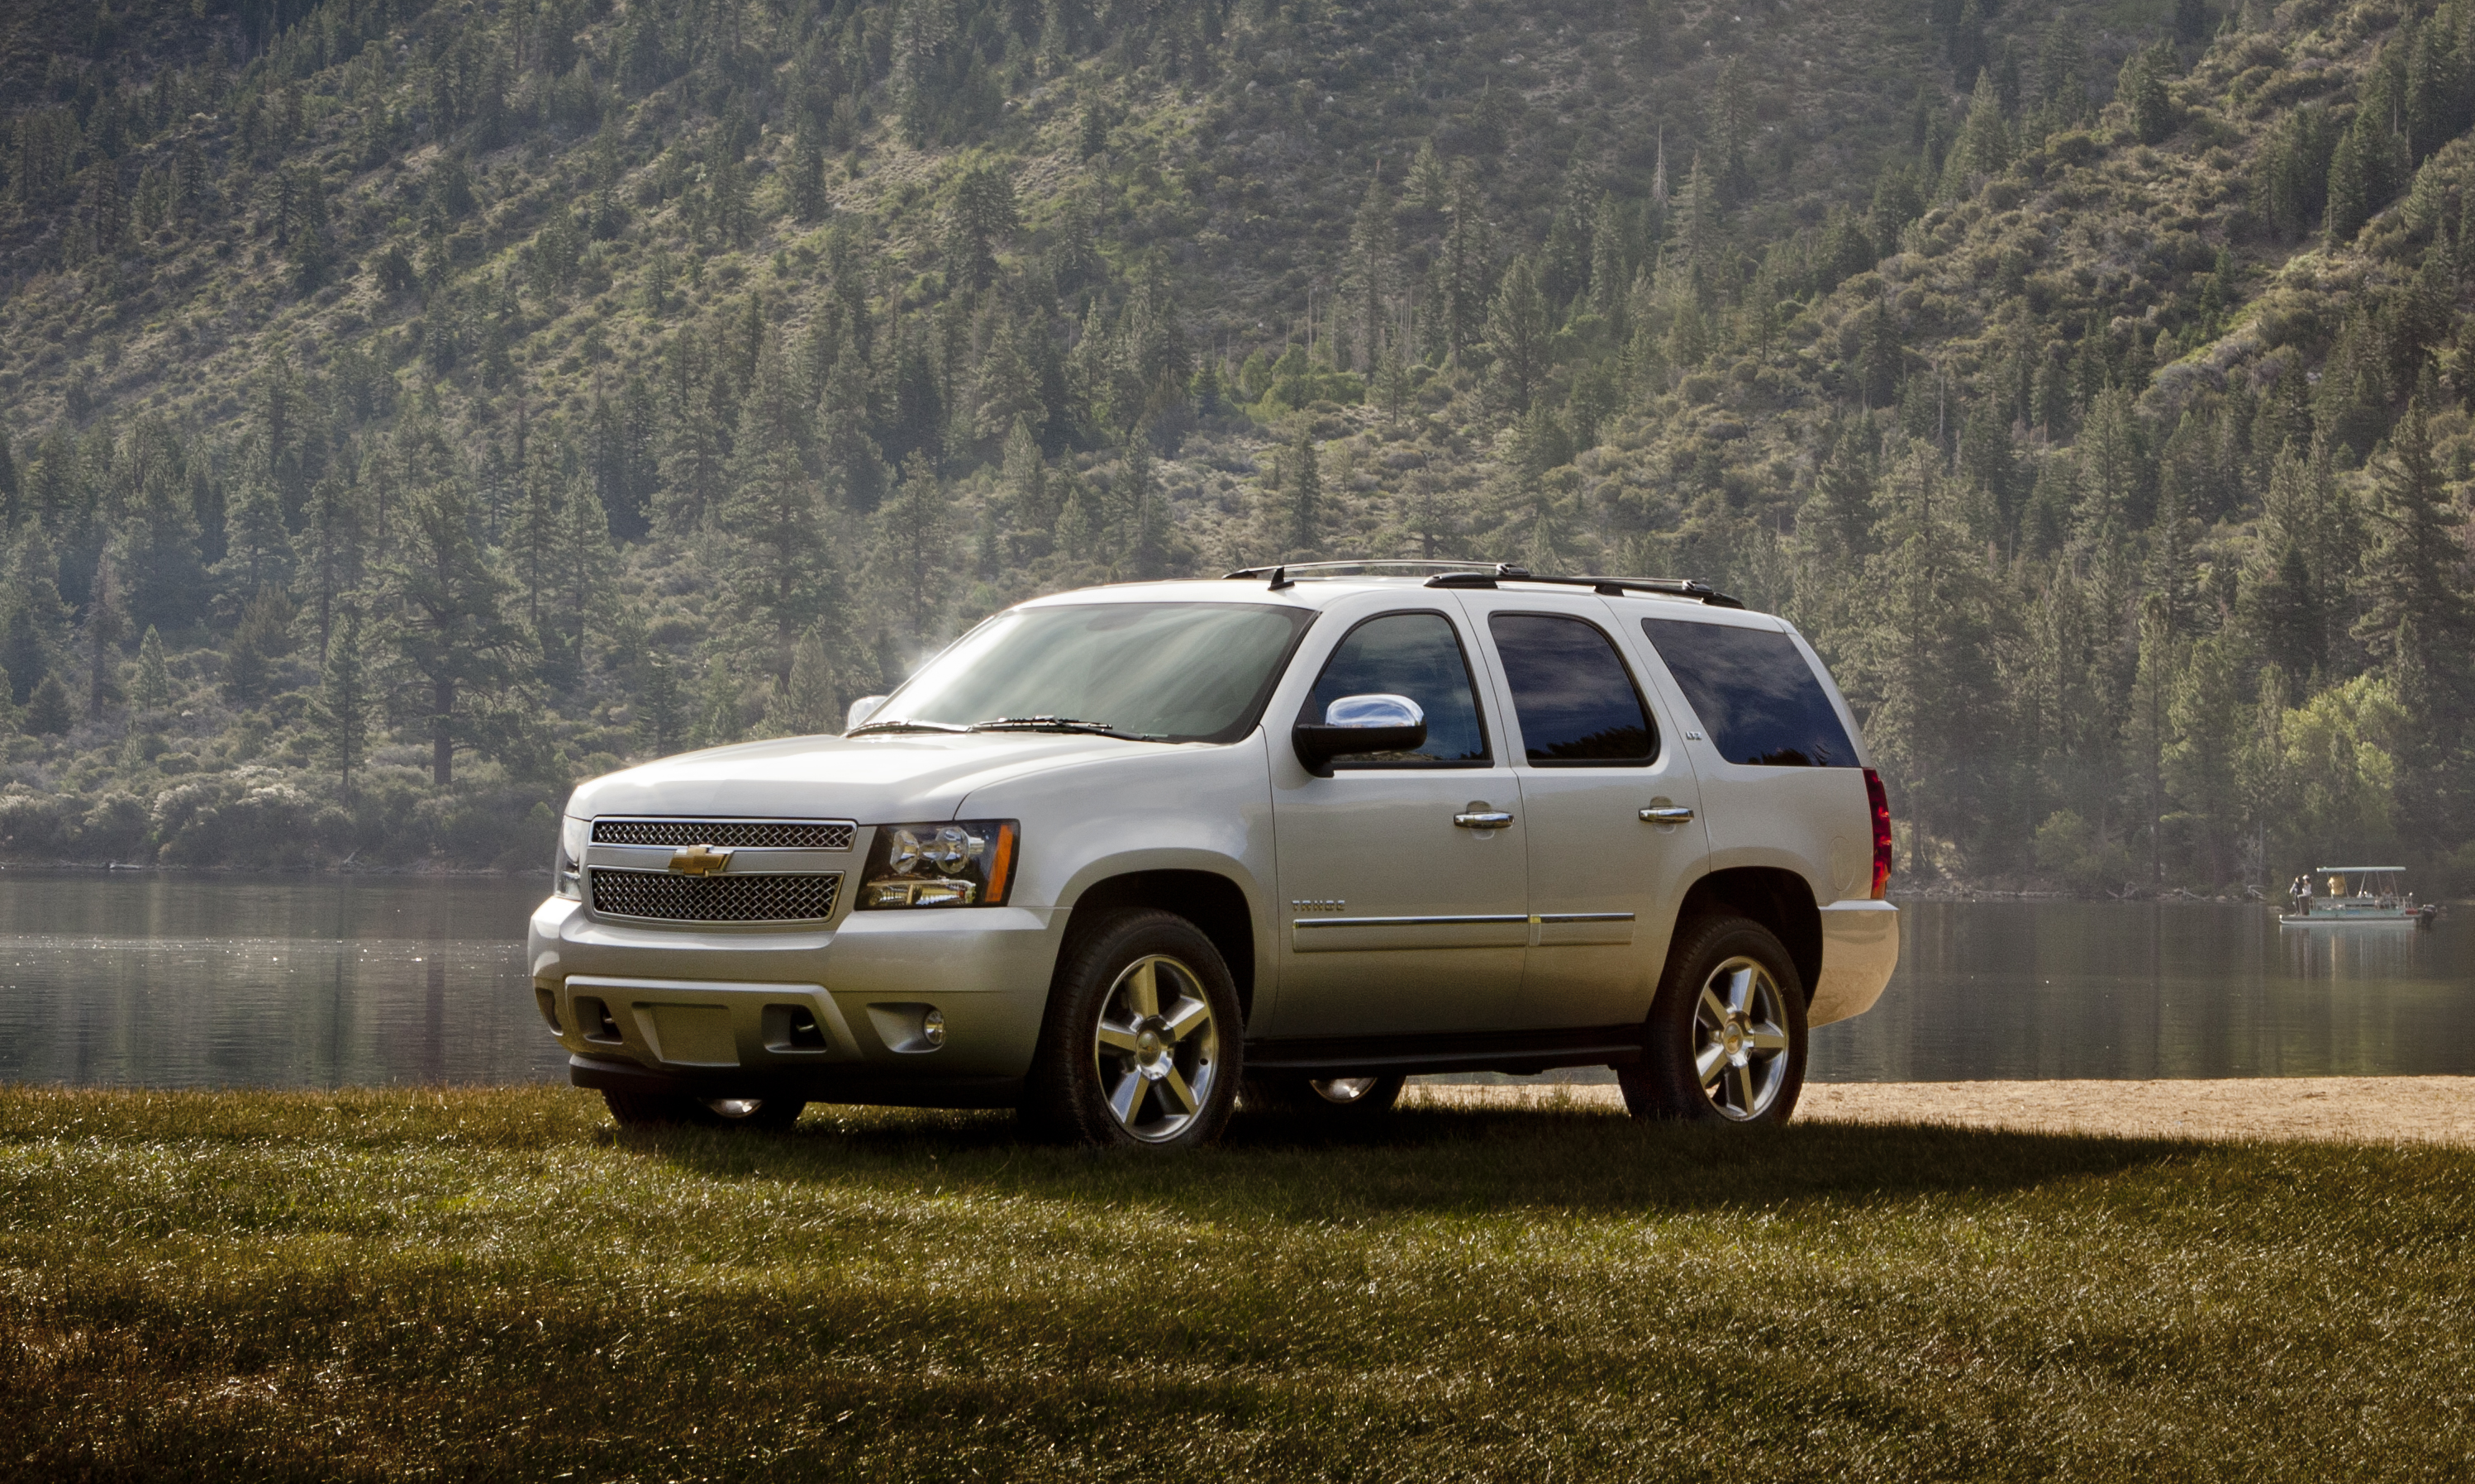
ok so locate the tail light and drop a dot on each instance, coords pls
(1880, 803)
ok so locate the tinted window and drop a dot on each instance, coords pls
(1575, 700)
(1417, 655)
(1755, 692)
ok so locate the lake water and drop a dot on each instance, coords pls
(165, 979)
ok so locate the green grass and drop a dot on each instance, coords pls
(494, 1284)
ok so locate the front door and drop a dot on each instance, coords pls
(1615, 834)
(1404, 877)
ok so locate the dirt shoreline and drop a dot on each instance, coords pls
(2328, 1109)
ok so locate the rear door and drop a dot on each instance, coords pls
(1610, 804)
(1774, 747)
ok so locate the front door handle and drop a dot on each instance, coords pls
(1668, 814)
(1477, 817)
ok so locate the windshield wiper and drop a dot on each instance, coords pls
(1059, 724)
(905, 726)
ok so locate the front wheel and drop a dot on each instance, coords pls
(1143, 1045)
(669, 1110)
(1726, 1034)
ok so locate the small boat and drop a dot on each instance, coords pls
(2371, 895)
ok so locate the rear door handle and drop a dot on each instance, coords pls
(1482, 819)
(1667, 813)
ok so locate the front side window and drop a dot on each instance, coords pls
(1756, 695)
(1160, 671)
(1576, 702)
(1419, 656)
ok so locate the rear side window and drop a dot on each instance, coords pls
(1755, 692)
(1419, 656)
(1576, 701)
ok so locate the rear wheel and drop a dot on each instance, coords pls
(1142, 1047)
(1726, 1034)
(670, 1110)
(1345, 1099)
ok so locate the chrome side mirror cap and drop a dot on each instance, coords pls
(1353, 724)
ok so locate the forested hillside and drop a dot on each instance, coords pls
(411, 410)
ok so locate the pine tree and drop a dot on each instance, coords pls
(586, 563)
(105, 626)
(33, 621)
(719, 724)
(914, 537)
(262, 637)
(1301, 487)
(342, 713)
(1984, 146)
(531, 544)
(2207, 716)
(1373, 246)
(446, 620)
(47, 709)
(803, 704)
(774, 522)
(257, 547)
(1461, 264)
(661, 713)
(2408, 575)
(152, 689)
(1146, 557)
(2141, 87)
(2349, 194)
(1517, 333)
(809, 202)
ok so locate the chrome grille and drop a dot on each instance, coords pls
(747, 833)
(667, 897)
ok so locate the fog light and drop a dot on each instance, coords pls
(932, 1028)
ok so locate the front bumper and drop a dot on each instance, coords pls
(836, 1014)
(1860, 947)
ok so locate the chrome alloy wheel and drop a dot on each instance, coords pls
(1344, 1089)
(1740, 1046)
(1156, 1048)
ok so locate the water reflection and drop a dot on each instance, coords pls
(2038, 989)
(204, 981)
(190, 980)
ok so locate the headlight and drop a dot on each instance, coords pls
(566, 871)
(965, 862)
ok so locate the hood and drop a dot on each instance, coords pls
(889, 779)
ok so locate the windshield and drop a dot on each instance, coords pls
(1173, 671)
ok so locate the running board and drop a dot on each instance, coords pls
(1517, 1052)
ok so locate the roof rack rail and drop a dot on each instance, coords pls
(1358, 565)
(1604, 587)
(1483, 575)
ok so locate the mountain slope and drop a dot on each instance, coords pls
(729, 355)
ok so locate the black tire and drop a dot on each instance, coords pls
(1730, 990)
(676, 1110)
(1339, 1100)
(1110, 1072)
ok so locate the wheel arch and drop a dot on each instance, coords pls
(1215, 904)
(1777, 899)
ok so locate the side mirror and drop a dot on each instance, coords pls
(860, 711)
(1360, 724)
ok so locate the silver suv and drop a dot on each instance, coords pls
(1116, 855)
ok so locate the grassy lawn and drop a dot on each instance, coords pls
(495, 1284)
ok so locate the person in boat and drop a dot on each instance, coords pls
(2300, 894)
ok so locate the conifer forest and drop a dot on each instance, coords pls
(410, 408)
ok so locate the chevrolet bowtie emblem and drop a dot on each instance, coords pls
(700, 861)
